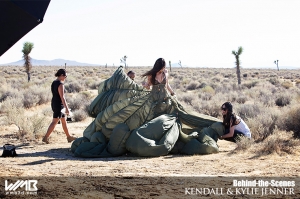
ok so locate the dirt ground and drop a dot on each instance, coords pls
(129, 176)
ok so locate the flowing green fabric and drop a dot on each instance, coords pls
(121, 101)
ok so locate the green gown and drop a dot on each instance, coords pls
(146, 123)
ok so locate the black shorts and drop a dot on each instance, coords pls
(57, 110)
(236, 136)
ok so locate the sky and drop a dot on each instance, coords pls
(199, 33)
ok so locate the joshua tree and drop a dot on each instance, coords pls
(180, 63)
(276, 62)
(27, 47)
(170, 66)
(237, 57)
(123, 60)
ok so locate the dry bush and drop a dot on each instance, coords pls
(9, 93)
(73, 87)
(10, 103)
(250, 84)
(287, 84)
(208, 108)
(208, 89)
(29, 128)
(77, 102)
(192, 86)
(262, 125)
(283, 99)
(79, 115)
(274, 81)
(249, 110)
(279, 142)
(290, 120)
(244, 144)
(30, 99)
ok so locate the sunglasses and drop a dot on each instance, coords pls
(223, 109)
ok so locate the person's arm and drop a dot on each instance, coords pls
(61, 92)
(231, 131)
(167, 82)
(148, 83)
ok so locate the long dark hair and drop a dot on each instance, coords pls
(159, 64)
(60, 72)
(230, 115)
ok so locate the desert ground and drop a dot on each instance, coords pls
(61, 175)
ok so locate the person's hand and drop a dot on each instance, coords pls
(67, 111)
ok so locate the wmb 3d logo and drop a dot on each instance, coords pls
(29, 185)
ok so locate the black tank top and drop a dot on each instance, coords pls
(55, 95)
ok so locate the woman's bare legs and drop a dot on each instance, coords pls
(50, 129)
(66, 130)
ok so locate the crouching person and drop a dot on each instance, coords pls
(235, 127)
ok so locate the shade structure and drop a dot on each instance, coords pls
(17, 18)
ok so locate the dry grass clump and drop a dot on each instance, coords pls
(29, 127)
(283, 99)
(244, 144)
(262, 125)
(79, 115)
(290, 120)
(287, 84)
(279, 142)
(74, 87)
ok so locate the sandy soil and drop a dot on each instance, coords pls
(125, 176)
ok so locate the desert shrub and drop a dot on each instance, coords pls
(250, 84)
(205, 96)
(29, 127)
(79, 115)
(263, 125)
(241, 99)
(86, 94)
(274, 81)
(287, 84)
(202, 85)
(192, 86)
(73, 87)
(43, 94)
(211, 108)
(30, 99)
(10, 103)
(248, 110)
(208, 89)
(9, 93)
(279, 142)
(244, 143)
(283, 100)
(187, 98)
(290, 121)
(78, 102)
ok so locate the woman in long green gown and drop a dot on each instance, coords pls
(122, 101)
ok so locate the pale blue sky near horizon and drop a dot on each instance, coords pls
(200, 33)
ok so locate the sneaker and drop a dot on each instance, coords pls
(71, 139)
(46, 140)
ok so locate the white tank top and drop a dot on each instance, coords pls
(243, 128)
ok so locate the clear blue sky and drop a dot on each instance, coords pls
(197, 32)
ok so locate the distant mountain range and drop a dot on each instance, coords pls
(54, 62)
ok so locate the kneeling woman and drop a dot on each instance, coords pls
(235, 126)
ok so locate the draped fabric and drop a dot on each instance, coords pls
(143, 122)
